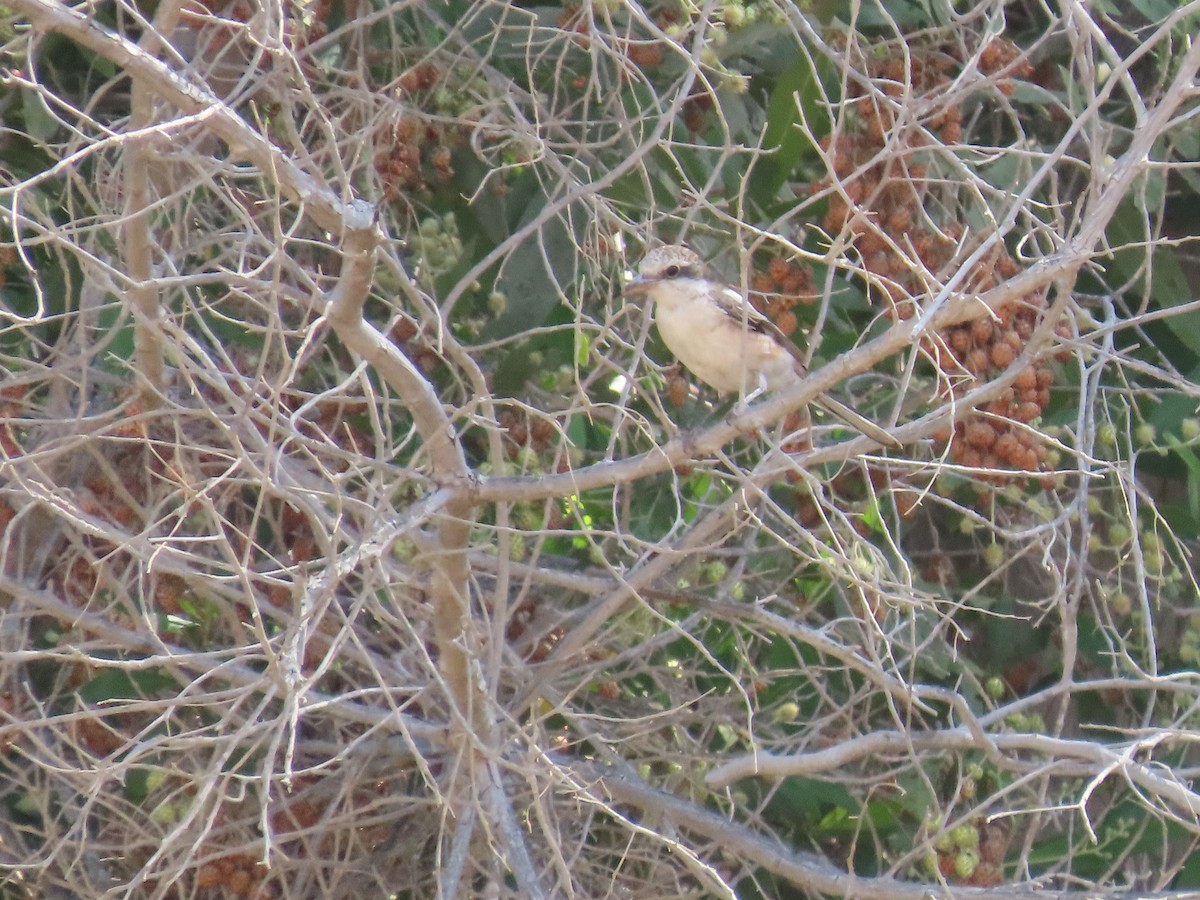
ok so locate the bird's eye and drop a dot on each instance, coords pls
(672, 271)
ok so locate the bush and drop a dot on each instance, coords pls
(359, 536)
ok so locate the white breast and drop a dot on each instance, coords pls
(714, 347)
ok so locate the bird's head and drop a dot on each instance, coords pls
(664, 265)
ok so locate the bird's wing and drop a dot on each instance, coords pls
(742, 311)
(739, 309)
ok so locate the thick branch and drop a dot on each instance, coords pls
(324, 206)
(803, 869)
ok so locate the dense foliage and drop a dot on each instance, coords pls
(359, 538)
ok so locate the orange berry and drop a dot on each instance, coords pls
(1026, 380)
(970, 457)
(787, 322)
(1002, 356)
(900, 221)
(646, 55)
(1005, 445)
(1027, 412)
(677, 391)
(980, 435)
(982, 330)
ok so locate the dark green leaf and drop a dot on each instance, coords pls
(796, 100)
(116, 684)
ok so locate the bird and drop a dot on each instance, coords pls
(721, 338)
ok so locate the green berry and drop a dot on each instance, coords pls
(735, 83)
(966, 863)
(733, 15)
(786, 713)
(993, 556)
(527, 460)
(516, 547)
(527, 517)
(403, 550)
(1119, 534)
(965, 837)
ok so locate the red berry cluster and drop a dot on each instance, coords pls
(993, 437)
(416, 153)
(405, 335)
(879, 196)
(778, 289)
(974, 854)
(522, 430)
(519, 622)
(238, 875)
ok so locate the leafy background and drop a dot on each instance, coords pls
(358, 537)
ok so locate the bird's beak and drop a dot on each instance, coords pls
(638, 286)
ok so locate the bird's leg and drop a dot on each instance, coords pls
(758, 391)
(744, 401)
(731, 416)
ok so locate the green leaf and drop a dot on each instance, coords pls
(497, 215)
(1152, 190)
(796, 99)
(532, 288)
(807, 797)
(140, 781)
(39, 123)
(1155, 10)
(1167, 283)
(1192, 462)
(117, 326)
(115, 684)
(907, 15)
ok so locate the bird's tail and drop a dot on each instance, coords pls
(857, 422)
